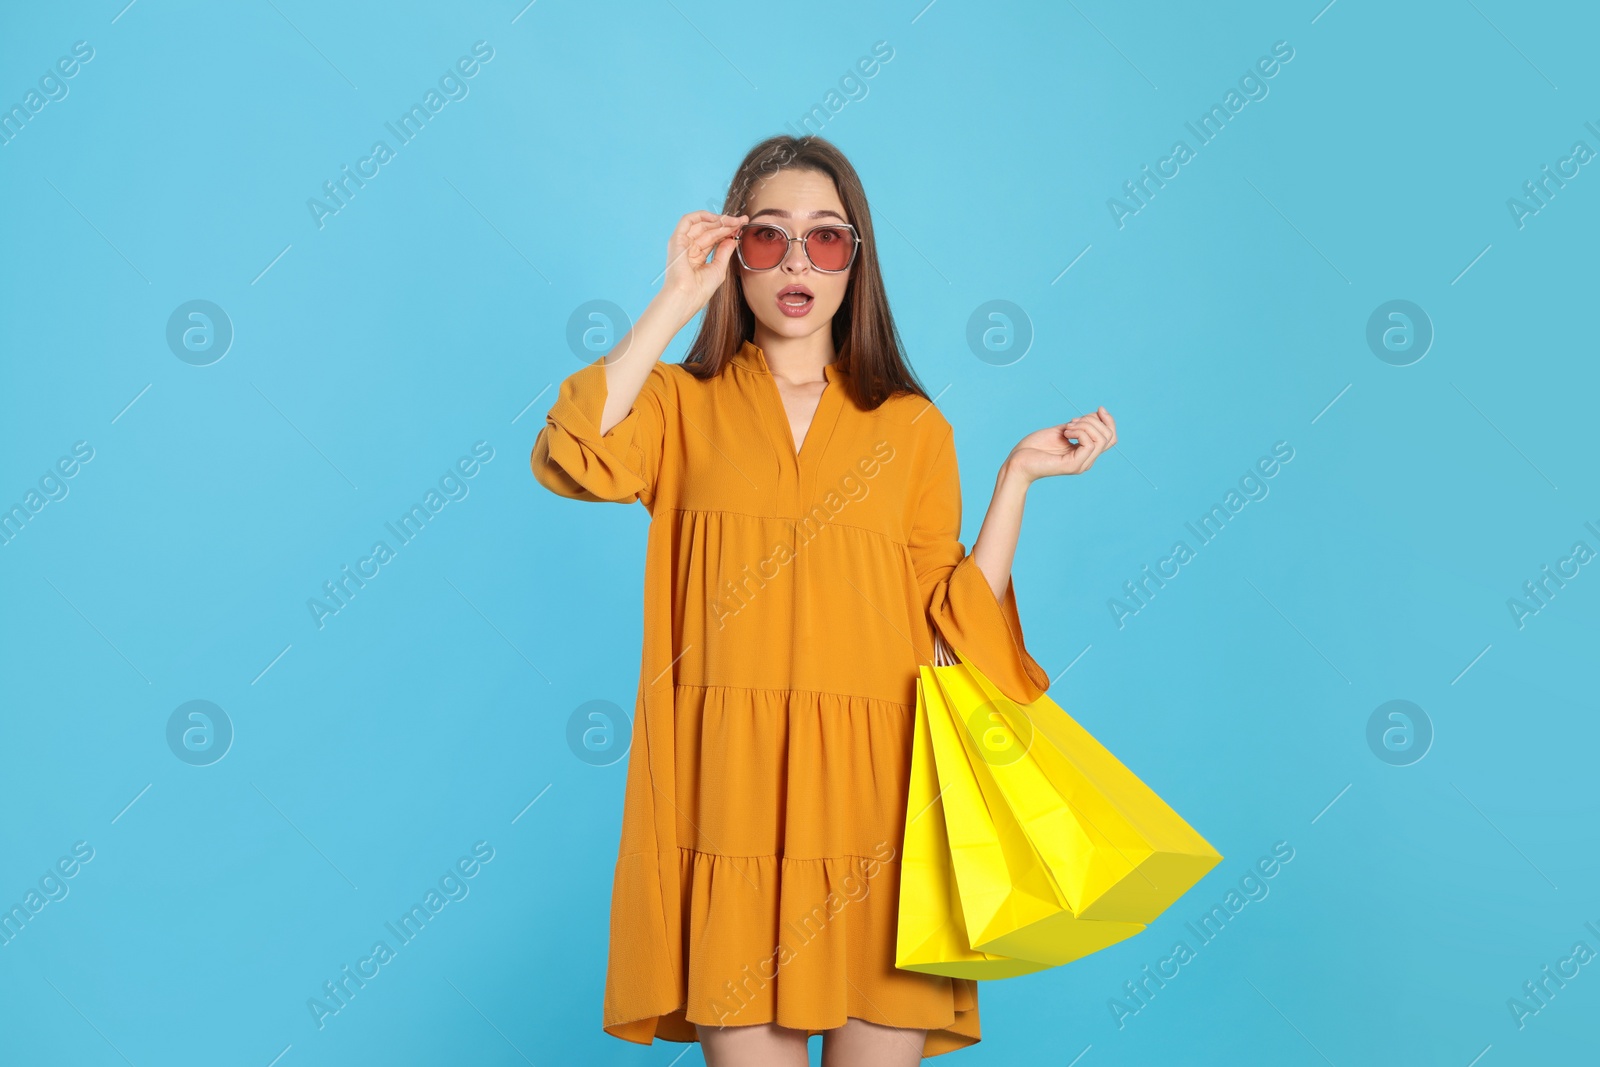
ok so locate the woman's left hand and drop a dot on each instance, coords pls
(1048, 452)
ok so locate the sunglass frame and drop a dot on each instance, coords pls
(855, 246)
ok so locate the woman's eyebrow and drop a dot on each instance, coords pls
(785, 215)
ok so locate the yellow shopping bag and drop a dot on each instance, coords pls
(931, 936)
(1027, 843)
(1118, 852)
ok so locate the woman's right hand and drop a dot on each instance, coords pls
(690, 277)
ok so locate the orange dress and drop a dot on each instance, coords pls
(788, 600)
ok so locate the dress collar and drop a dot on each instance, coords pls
(753, 358)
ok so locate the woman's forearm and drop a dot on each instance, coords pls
(996, 546)
(636, 354)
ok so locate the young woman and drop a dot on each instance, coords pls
(803, 558)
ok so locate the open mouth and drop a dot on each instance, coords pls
(795, 299)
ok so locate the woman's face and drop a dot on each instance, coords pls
(797, 200)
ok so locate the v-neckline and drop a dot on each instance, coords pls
(810, 425)
(823, 418)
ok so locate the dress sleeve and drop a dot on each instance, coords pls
(572, 458)
(983, 631)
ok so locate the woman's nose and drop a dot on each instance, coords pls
(795, 259)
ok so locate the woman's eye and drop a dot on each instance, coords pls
(766, 233)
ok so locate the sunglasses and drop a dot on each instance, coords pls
(830, 249)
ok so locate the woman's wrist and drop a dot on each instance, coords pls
(1012, 476)
(674, 308)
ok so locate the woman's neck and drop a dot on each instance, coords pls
(796, 359)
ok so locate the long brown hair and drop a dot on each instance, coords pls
(865, 340)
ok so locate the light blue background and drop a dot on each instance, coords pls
(431, 313)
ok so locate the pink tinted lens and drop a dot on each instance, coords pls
(830, 247)
(762, 247)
